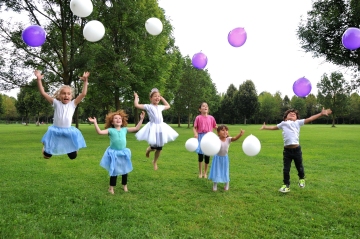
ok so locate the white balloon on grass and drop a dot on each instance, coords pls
(154, 26)
(210, 144)
(94, 31)
(251, 145)
(192, 144)
(81, 8)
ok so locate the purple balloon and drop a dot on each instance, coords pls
(302, 87)
(34, 36)
(237, 37)
(351, 38)
(199, 60)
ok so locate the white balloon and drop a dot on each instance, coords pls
(192, 144)
(154, 26)
(81, 8)
(210, 144)
(94, 31)
(251, 145)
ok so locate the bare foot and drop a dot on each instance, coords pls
(214, 187)
(226, 188)
(205, 175)
(148, 152)
(125, 188)
(200, 175)
(111, 190)
(155, 165)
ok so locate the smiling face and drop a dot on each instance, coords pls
(155, 98)
(204, 108)
(65, 95)
(223, 131)
(291, 116)
(117, 121)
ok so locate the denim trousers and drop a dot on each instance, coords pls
(290, 154)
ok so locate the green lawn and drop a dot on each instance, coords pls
(61, 198)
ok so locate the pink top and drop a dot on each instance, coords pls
(204, 124)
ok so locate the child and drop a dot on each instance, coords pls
(156, 132)
(117, 158)
(203, 124)
(292, 149)
(219, 172)
(61, 137)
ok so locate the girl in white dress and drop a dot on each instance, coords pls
(155, 132)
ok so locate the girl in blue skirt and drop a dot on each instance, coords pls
(117, 158)
(61, 137)
(219, 172)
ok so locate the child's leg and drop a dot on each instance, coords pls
(214, 187)
(72, 155)
(298, 160)
(148, 150)
(207, 161)
(287, 159)
(156, 157)
(124, 181)
(200, 159)
(113, 180)
(226, 188)
(46, 155)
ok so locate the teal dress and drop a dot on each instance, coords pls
(117, 158)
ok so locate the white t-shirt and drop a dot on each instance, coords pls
(63, 113)
(291, 131)
(224, 147)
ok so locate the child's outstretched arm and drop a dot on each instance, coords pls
(85, 86)
(166, 104)
(98, 130)
(41, 88)
(136, 102)
(314, 117)
(269, 127)
(238, 136)
(137, 127)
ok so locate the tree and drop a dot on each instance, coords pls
(268, 107)
(311, 105)
(322, 31)
(299, 104)
(227, 105)
(333, 93)
(1, 104)
(355, 108)
(9, 108)
(246, 101)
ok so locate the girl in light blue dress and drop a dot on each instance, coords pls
(219, 172)
(117, 158)
(61, 137)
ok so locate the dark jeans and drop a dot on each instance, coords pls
(201, 158)
(289, 155)
(113, 180)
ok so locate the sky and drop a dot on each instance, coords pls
(271, 57)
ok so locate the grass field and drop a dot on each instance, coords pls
(61, 198)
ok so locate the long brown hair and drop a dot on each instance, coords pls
(110, 117)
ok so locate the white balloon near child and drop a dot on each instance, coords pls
(191, 144)
(251, 145)
(210, 144)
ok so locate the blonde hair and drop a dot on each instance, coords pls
(110, 117)
(58, 92)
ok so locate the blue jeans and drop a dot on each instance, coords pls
(289, 155)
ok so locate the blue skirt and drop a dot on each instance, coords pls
(117, 162)
(58, 141)
(219, 172)
(200, 136)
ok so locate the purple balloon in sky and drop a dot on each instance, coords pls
(34, 36)
(199, 60)
(302, 87)
(351, 38)
(237, 37)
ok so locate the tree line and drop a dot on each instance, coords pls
(128, 59)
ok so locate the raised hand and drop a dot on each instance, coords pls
(85, 76)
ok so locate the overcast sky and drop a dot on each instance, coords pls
(271, 57)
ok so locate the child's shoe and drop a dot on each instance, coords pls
(302, 183)
(284, 189)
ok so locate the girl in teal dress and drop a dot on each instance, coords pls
(117, 158)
